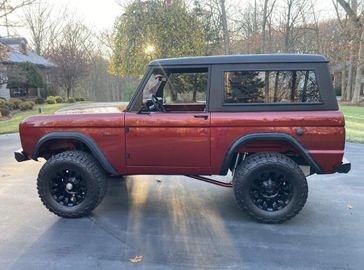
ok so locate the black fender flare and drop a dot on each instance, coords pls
(316, 168)
(87, 140)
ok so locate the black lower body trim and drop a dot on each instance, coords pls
(345, 166)
(19, 155)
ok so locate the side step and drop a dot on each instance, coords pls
(211, 181)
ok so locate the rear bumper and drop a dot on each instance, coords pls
(344, 167)
(20, 156)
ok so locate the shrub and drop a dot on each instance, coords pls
(51, 100)
(32, 103)
(15, 102)
(79, 99)
(4, 110)
(25, 105)
(2, 101)
(39, 100)
(10, 105)
(71, 100)
(59, 99)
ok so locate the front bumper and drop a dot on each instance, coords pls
(20, 156)
(344, 167)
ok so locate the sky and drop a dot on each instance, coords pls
(101, 14)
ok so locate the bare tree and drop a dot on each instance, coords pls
(7, 7)
(215, 14)
(45, 26)
(268, 7)
(71, 55)
(355, 19)
(225, 30)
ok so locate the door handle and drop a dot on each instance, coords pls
(201, 116)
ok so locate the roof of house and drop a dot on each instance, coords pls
(241, 59)
(15, 54)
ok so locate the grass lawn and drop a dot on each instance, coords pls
(12, 125)
(354, 120)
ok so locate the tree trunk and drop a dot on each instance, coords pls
(264, 23)
(304, 92)
(266, 86)
(293, 86)
(349, 85)
(225, 30)
(343, 83)
(359, 71)
(276, 87)
(68, 92)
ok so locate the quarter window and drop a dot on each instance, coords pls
(271, 86)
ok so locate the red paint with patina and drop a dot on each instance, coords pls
(191, 142)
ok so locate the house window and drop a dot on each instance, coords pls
(271, 86)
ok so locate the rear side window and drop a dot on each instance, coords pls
(271, 86)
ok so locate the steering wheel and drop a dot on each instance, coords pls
(158, 104)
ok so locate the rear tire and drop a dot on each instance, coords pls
(71, 184)
(270, 187)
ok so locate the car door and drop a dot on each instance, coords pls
(176, 141)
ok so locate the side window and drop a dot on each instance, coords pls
(186, 87)
(271, 86)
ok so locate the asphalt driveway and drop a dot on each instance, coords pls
(178, 223)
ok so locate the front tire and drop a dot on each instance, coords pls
(71, 184)
(270, 187)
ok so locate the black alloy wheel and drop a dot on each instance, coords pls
(71, 184)
(271, 190)
(270, 187)
(68, 188)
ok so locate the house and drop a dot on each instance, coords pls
(14, 51)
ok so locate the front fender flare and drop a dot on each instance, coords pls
(87, 140)
(268, 136)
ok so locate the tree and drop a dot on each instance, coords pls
(213, 15)
(27, 77)
(45, 26)
(355, 19)
(8, 7)
(71, 55)
(164, 28)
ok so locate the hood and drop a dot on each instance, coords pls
(90, 108)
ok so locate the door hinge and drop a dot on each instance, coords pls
(127, 155)
(126, 129)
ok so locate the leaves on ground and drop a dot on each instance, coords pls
(136, 259)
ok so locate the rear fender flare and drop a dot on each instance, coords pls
(268, 136)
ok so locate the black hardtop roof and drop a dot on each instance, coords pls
(241, 59)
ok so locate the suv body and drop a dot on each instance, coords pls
(237, 106)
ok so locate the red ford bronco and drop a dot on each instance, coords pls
(272, 120)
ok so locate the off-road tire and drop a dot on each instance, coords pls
(247, 172)
(88, 167)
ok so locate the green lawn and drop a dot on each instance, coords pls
(12, 125)
(354, 120)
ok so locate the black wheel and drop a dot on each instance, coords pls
(271, 187)
(71, 184)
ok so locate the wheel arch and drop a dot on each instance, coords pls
(91, 145)
(298, 146)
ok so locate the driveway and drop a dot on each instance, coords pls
(179, 223)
